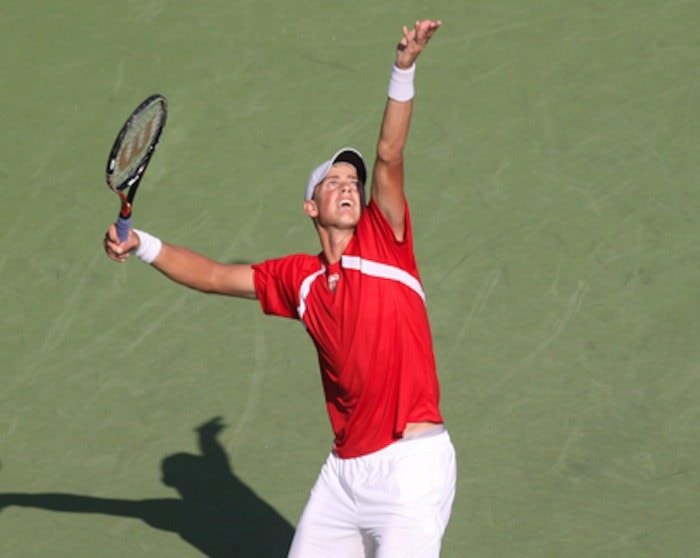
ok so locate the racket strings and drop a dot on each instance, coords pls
(139, 139)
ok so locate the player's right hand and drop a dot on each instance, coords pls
(116, 250)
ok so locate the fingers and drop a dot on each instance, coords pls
(114, 248)
(414, 40)
(112, 233)
(425, 29)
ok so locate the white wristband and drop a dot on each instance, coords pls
(401, 83)
(149, 247)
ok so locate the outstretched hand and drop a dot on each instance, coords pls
(414, 41)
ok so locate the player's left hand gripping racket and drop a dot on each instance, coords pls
(131, 152)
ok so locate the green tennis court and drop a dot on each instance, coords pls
(552, 174)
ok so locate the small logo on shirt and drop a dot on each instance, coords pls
(333, 279)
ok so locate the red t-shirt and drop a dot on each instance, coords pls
(372, 333)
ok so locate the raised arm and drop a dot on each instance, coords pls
(183, 265)
(388, 176)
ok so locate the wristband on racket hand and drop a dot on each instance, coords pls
(401, 83)
(149, 247)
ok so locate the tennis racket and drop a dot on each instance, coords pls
(131, 153)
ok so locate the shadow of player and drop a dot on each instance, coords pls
(216, 513)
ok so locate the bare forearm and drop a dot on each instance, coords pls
(201, 273)
(182, 265)
(394, 131)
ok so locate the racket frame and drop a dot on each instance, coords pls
(131, 182)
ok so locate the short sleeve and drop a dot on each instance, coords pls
(277, 283)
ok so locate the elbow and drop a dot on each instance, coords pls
(390, 153)
(211, 282)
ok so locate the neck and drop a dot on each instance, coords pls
(334, 242)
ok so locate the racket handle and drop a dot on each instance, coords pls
(123, 226)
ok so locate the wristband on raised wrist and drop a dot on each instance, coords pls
(401, 86)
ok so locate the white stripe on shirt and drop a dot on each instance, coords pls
(366, 267)
(304, 290)
(383, 271)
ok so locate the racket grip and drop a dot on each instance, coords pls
(123, 226)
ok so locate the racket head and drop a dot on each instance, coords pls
(135, 144)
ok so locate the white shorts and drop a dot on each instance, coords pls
(395, 502)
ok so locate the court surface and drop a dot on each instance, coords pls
(553, 178)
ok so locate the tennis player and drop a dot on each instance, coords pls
(387, 487)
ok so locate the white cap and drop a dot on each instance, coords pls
(345, 155)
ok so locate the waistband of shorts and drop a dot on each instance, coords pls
(432, 442)
(429, 433)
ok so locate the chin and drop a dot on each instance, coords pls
(352, 222)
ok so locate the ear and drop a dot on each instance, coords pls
(310, 209)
